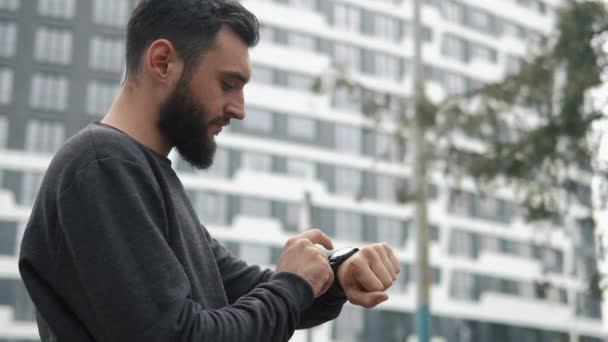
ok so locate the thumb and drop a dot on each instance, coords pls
(366, 299)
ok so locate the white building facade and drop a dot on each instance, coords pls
(496, 278)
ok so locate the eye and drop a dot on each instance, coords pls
(227, 86)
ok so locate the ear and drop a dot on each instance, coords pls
(162, 62)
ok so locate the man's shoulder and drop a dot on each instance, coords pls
(94, 143)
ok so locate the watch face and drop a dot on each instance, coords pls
(341, 252)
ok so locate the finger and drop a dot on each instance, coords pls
(328, 282)
(366, 299)
(393, 258)
(387, 262)
(316, 236)
(382, 273)
(367, 278)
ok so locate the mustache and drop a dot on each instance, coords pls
(222, 121)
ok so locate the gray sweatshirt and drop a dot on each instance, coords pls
(114, 252)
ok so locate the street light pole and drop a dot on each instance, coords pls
(423, 314)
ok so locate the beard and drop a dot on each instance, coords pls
(184, 124)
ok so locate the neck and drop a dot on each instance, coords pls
(135, 114)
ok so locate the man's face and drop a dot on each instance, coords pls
(204, 101)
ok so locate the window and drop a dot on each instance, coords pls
(210, 207)
(106, 54)
(258, 162)
(10, 5)
(386, 188)
(301, 168)
(262, 75)
(306, 4)
(266, 34)
(57, 8)
(462, 244)
(347, 56)
(455, 47)
(301, 128)
(391, 231)
(100, 96)
(455, 84)
(8, 39)
(347, 182)
(485, 53)
(480, 20)
(343, 98)
(350, 325)
(256, 254)
(258, 120)
(387, 67)
(300, 82)
(221, 164)
(53, 46)
(387, 147)
(49, 92)
(347, 139)
(347, 17)
(256, 207)
(453, 11)
(111, 12)
(8, 237)
(348, 226)
(30, 184)
(3, 132)
(463, 285)
(386, 28)
(301, 41)
(43, 136)
(6, 86)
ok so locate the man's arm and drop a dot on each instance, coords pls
(114, 226)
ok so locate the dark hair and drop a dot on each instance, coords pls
(190, 25)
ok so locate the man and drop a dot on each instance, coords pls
(113, 250)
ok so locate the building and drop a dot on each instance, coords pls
(496, 278)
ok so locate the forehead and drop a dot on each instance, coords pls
(228, 54)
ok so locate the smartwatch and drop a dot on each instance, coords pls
(338, 257)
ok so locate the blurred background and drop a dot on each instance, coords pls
(502, 103)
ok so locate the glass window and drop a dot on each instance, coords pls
(43, 136)
(480, 20)
(266, 34)
(3, 131)
(100, 96)
(49, 92)
(256, 207)
(8, 237)
(391, 231)
(485, 53)
(347, 56)
(300, 82)
(343, 98)
(301, 168)
(454, 83)
(348, 226)
(386, 188)
(211, 207)
(30, 184)
(463, 285)
(53, 46)
(348, 139)
(221, 164)
(347, 182)
(111, 12)
(347, 17)
(262, 74)
(10, 5)
(107, 54)
(6, 86)
(462, 244)
(387, 67)
(453, 11)
(455, 47)
(301, 41)
(306, 4)
(258, 120)
(57, 8)
(301, 128)
(350, 324)
(259, 162)
(8, 39)
(386, 28)
(256, 254)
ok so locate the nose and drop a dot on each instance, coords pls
(236, 107)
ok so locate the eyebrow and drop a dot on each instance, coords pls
(236, 75)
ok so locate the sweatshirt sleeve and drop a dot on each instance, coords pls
(114, 226)
(239, 279)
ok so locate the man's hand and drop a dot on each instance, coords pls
(302, 257)
(368, 273)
